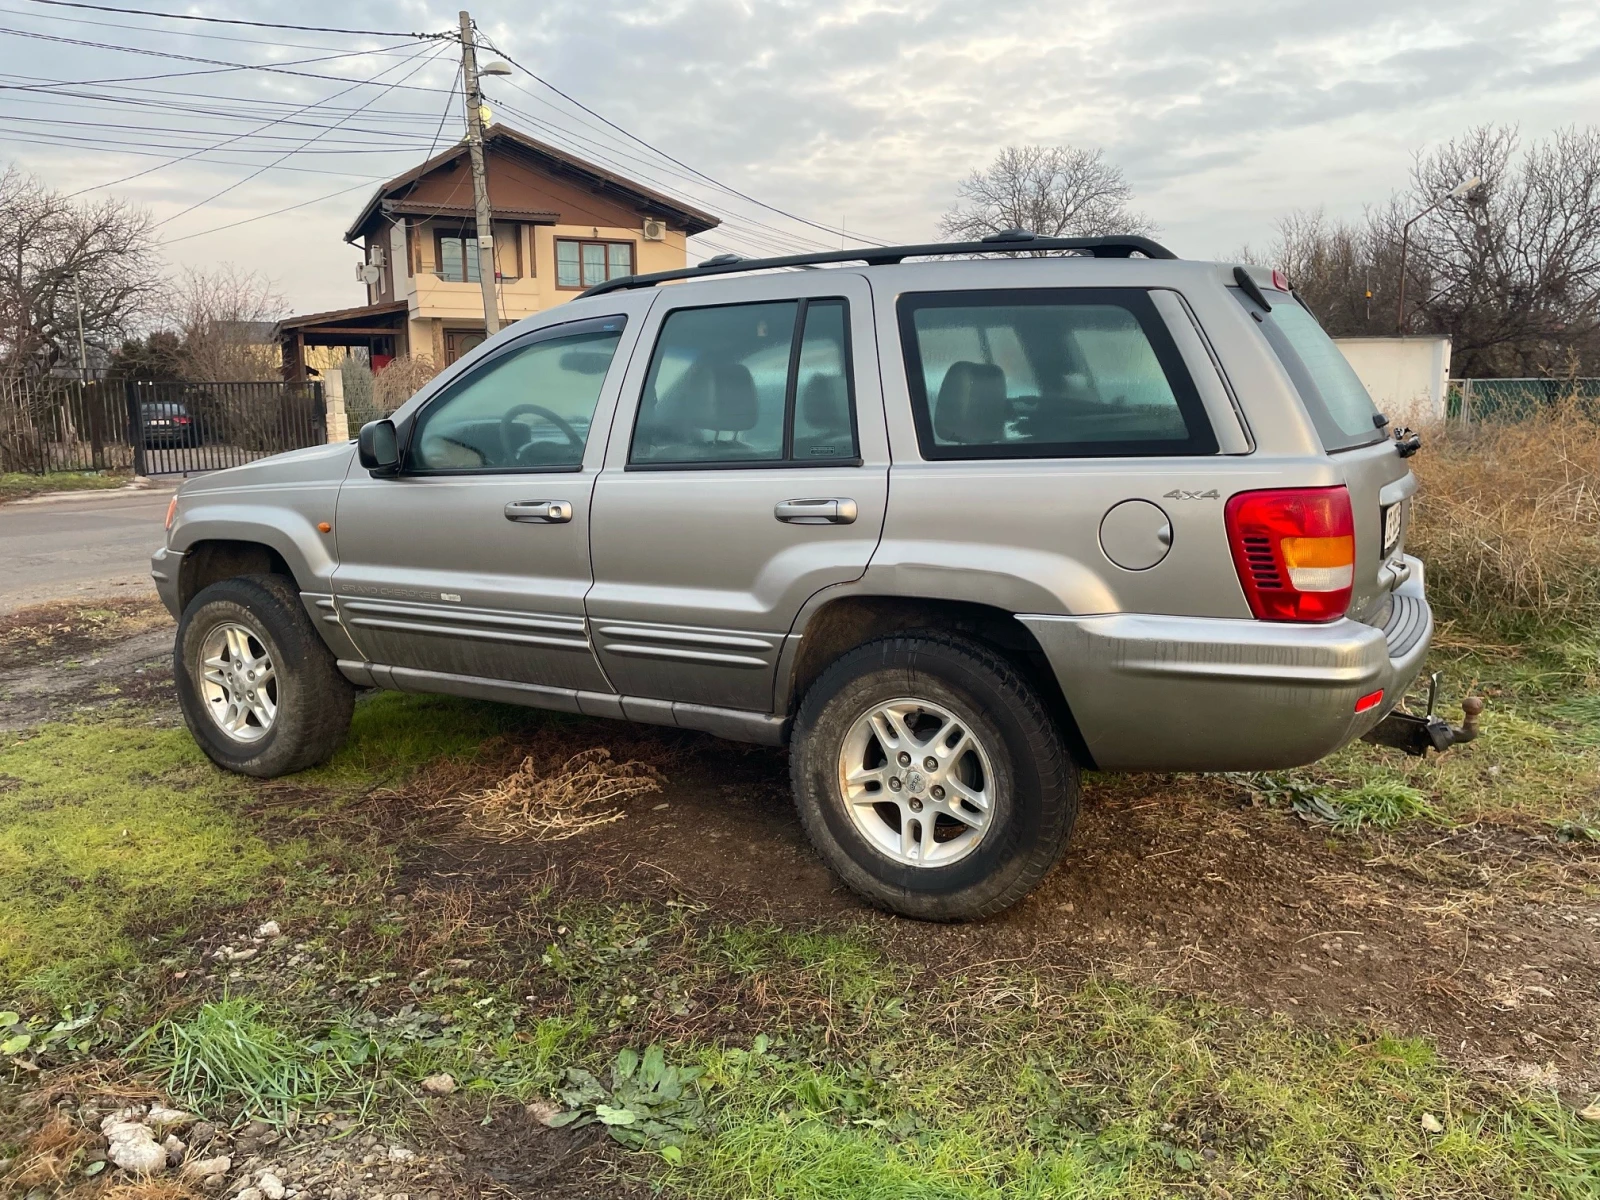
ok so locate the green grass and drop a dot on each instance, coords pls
(231, 1054)
(1536, 761)
(117, 839)
(111, 835)
(1015, 1091)
(14, 485)
(821, 1065)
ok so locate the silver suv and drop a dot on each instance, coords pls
(950, 530)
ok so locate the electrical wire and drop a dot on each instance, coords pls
(145, 12)
(277, 212)
(215, 62)
(210, 37)
(445, 115)
(269, 124)
(676, 162)
(431, 54)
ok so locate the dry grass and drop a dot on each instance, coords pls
(399, 381)
(1508, 520)
(46, 1158)
(554, 794)
(149, 1189)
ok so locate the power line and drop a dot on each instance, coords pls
(263, 216)
(656, 150)
(432, 53)
(145, 12)
(445, 115)
(263, 127)
(210, 37)
(215, 62)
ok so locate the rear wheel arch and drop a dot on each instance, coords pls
(836, 626)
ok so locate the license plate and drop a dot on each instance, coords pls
(1391, 528)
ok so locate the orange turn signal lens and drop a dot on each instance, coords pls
(1320, 564)
(172, 511)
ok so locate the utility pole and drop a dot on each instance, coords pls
(83, 349)
(480, 185)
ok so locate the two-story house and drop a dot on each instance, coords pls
(560, 225)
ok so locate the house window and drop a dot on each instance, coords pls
(581, 264)
(458, 257)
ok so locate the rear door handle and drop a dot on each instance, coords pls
(817, 511)
(539, 512)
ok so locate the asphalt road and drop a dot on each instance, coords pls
(91, 544)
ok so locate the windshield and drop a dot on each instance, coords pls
(1336, 399)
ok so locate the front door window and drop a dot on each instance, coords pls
(529, 409)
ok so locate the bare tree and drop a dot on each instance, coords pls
(53, 252)
(225, 317)
(1510, 270)
(1515, 270)
(1054, 191)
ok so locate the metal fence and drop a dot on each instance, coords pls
(55, 424)
(1501, 400)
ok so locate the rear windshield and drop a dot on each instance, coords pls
(1334, 395)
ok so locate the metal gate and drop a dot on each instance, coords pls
(181, 428)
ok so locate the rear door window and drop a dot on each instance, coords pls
(1048, 373)
(1335, 398)
(748, 385)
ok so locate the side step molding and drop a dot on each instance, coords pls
(736, 725)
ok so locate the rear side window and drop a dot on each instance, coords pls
(748, 385)
(1335, 398)
(1057, 373)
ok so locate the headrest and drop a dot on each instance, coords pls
(972, 407)
(822, 403)
(733, 399)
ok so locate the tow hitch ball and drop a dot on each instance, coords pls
(1417, 735)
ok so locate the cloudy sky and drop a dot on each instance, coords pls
(860, 114)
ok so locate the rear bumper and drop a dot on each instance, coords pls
(1156, 693)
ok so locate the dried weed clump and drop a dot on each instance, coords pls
(1507, 520)
(46, 1158)
(555, 794)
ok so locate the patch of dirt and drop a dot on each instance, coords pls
(70, 630)
(57, 659)
(455, 1151)
(1485, 939)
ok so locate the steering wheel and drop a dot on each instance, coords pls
(538, 410)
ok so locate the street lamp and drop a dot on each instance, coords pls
(1460, 190)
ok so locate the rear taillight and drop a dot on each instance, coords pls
(1295, 550)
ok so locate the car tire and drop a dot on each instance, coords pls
(971, 718)
(272, 700)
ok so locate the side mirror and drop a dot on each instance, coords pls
(379, 448)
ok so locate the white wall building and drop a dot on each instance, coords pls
(1407, 376)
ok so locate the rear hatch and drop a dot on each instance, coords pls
(1352, 432)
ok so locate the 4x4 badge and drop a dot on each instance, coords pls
(1180, 494)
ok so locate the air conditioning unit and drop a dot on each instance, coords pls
(375, 255)
(654, 230)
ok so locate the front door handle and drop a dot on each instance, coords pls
(819, 511)
(539, 512)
